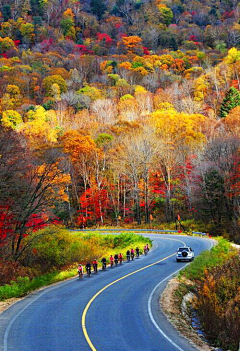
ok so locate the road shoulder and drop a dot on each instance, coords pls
(173, 312)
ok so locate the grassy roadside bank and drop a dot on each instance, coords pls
(189, 226)
(213, 281)
(53, 255)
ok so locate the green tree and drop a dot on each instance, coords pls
(5, 44)
(231, 100)
(27, 31)
(98, 8)
(214, 196)
(6, 12)
(67, 24)
(55, 79)
(37, 7)
(173, 44)
(166, 14)
(103, 140)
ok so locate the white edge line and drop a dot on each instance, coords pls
(150, 310)
(5, 343)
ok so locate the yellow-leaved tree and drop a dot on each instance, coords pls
(11, 119)
(58, 180)
(180, 135)
(41, 127)
(179, 128)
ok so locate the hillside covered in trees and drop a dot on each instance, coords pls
(118, 112)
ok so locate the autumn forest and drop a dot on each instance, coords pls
(118, 113)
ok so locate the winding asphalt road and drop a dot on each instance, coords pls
(124, 316)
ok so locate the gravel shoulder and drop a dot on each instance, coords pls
(174, 314)
(4, 305)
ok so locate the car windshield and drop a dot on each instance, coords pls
(183, 249)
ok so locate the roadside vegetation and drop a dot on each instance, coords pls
(52, 254)
(213, 278)
(187, 226)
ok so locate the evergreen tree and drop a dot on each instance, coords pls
(173, 44)
(36, 7)
(231, 100)
(214, 196)
(6, 12)
(98, 8)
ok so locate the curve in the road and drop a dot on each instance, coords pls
(114, 282)
(118, 318)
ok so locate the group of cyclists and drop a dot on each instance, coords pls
(114, 259)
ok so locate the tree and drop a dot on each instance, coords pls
(105, 111)
(231, 100)
(42, 186)
(131, 44)
(41, 127)
(6, 12)
(13, 160)
(98, 8)
(180, 134)
(27, 31)
(67, 24)
(232, 121)
(214, 193)
(134, 159)
(24, 195)
(54, 79)
(217, 188)
(11, 118)
(5, 44)
(90, 91)
(166, 14)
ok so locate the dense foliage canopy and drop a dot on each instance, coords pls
(118, 112)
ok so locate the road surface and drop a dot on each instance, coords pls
(115, 310)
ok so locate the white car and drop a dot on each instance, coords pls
(185, 254)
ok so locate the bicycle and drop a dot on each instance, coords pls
(95, 268)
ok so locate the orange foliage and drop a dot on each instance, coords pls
(78, 145)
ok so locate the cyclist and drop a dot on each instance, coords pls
(80, 270)
(88, 268)
(128, 255)
(132, 254)
(137, 251)
(104, 263)
(145, 249)
(95, 265)
(116, 259)
(111, 261)
(120, 257)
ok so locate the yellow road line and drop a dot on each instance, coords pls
(107, 286)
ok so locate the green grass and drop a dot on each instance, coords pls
(208, 259)
(112, 244)
(23, 285)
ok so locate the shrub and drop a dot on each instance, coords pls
(218, 299)
(216, 281)
(52, 249)
(207, 259)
